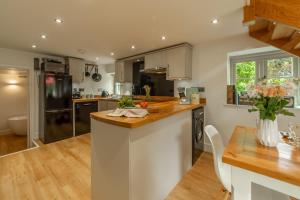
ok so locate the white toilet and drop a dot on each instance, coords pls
(18, 125)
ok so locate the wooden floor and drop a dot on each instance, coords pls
(61, 171)
(56, 171)
(200, 183)
(12, 143)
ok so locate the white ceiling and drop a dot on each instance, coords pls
(103, 26)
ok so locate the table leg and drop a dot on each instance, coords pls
(241, 183)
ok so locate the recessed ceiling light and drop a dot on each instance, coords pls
(215, 21)
(34, 46)
(112, 53)
(97, 58)
(132, 47)
(43, 36)
(163, 37)
(59, 20)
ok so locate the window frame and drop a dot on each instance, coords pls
(261, 60)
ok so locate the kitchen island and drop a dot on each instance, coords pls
(141, 158)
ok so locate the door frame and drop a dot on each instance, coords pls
(30, 101)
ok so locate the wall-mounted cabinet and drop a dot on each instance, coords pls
(76, 69)
(179, 61)
(123, 71)
(156, 60)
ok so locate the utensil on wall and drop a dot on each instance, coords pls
(96, 76)
(87, 73)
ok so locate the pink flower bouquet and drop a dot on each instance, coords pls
(268, 99)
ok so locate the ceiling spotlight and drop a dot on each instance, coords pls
(34, 46)
(43, 36)
(59, 20)
(112, 54)
(215, 21)
(163, 38)
(132, 47)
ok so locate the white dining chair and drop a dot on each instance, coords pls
(223, 170)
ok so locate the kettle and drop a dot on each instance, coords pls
(104, 93)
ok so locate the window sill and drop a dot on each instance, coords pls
(247, 106)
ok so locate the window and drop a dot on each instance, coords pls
(276, 66)
(245, 74)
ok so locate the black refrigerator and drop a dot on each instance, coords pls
(55, 107)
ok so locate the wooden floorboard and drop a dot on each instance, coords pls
(61, 171)
(12, 143)
(200, 183)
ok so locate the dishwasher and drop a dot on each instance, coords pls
(82, 116)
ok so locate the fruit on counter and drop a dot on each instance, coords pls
(144, 104)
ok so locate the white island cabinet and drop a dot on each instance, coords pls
(140, 158)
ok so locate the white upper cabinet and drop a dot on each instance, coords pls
(76, 69)
(156, 60)
(179, 63)
(123, 71)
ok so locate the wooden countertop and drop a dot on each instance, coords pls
(172, 107)
(93, 99)
(136, 98)
(244, 151)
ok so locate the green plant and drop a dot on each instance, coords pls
(125, 102)
(270, 107)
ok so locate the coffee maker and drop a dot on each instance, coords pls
(183, 99)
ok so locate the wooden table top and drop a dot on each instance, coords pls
(281, 162)
(172, 107)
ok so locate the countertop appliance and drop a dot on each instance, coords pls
(82, 116)
(183, 99)
(160, 86)
(197, 133)
(55, 106)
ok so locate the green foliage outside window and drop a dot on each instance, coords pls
(245, 75)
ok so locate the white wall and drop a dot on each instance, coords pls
(24, 60)
(92, 87)
(210, 70)
(13, 101)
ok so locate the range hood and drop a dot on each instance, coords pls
(156, 70)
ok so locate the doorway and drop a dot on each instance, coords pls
(14, 106)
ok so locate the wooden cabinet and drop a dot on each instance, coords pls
(123, 71)
(112, 105)
(107, 105)
(156, 60)
(76, 67)
(179, 63)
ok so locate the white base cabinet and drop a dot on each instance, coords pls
(143, 163)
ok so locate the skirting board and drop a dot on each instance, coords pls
(5, 132)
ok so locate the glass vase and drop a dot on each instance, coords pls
(268, 133)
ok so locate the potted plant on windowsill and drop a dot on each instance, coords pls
(268, 100)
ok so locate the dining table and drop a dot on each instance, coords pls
(275, 168)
